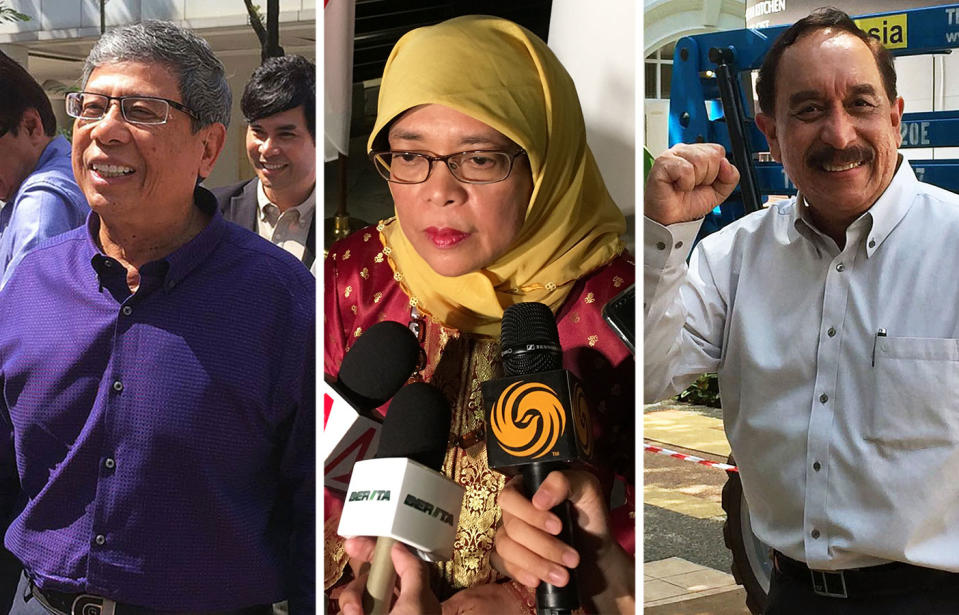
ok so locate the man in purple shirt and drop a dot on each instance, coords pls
(157, 367)
(40, 197)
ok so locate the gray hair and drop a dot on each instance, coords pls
(200, 75)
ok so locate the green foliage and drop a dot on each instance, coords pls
(9, 14)
(705, 392)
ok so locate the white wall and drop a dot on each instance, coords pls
(79, 18)
(596, 42)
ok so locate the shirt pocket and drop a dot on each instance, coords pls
(917, 380)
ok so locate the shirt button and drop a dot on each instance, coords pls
(823, 398)
(840, 267)
(170, 284)
(108, 263)
(678, 245)
(127, 310)
(817, 466)
(117, 386)
(110, 463)
(831, 332)
(660, 245)
(815, 534)
(100, 539)
(872, 243)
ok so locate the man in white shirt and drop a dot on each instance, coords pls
(279, 104)
(833, 329)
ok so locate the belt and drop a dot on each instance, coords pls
(60, 603)
(885, 579)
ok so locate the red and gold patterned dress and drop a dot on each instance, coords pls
(360, 290)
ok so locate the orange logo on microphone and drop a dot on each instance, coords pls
(528, 419)
(582, 422)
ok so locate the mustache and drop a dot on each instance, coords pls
(825, 154)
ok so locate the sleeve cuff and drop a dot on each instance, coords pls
(668, 246)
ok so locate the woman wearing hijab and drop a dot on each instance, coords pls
(498, 201)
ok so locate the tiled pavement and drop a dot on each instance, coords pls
(675, 586)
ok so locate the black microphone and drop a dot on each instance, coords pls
(377, 365)
(372, 371)
(401, 495)
(537, 421)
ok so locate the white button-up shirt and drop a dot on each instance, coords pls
(838, 369)
(288, 229)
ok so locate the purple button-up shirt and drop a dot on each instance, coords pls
(163, 440)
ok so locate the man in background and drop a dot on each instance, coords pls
(279, 104)
(40, 197)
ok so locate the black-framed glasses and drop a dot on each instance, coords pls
(135, 109)
(472, 167)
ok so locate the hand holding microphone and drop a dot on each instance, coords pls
(400, 495)
(538, 421)
(414, 598)
(527, 549)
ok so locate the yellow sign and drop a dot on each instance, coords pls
(890, 30)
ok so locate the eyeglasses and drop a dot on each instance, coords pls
(474, 167)
(135, 109)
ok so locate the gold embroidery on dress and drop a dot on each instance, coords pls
(335, 558)
(346, 255)
(358, 332)
(576, 317)
(590, 298)
(346, 293)
(379, 257)
(592, 339)
(617, 281)
(377, 297)
(366, 237)
(365, 273)
(457, 364)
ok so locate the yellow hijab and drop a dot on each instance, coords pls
(505, 76)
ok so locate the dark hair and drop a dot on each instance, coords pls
(22, 92)
(280, 84)
(199, 74)
(819, 19)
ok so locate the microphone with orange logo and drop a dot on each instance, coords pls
(537, 421)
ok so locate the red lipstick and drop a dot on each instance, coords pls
(445, 237)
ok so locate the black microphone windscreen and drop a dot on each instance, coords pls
(379, 363)
(529, 340)
(417, 425)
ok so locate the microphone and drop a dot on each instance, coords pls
(400, 495)
(371, 372)
(537, 421)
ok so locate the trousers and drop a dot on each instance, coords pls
(790, 596)
(24, 603)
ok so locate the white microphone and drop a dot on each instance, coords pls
(371, 372)
(401, 495)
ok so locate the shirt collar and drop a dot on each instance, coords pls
(304, 210)
(883, 216)
(173, 268)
